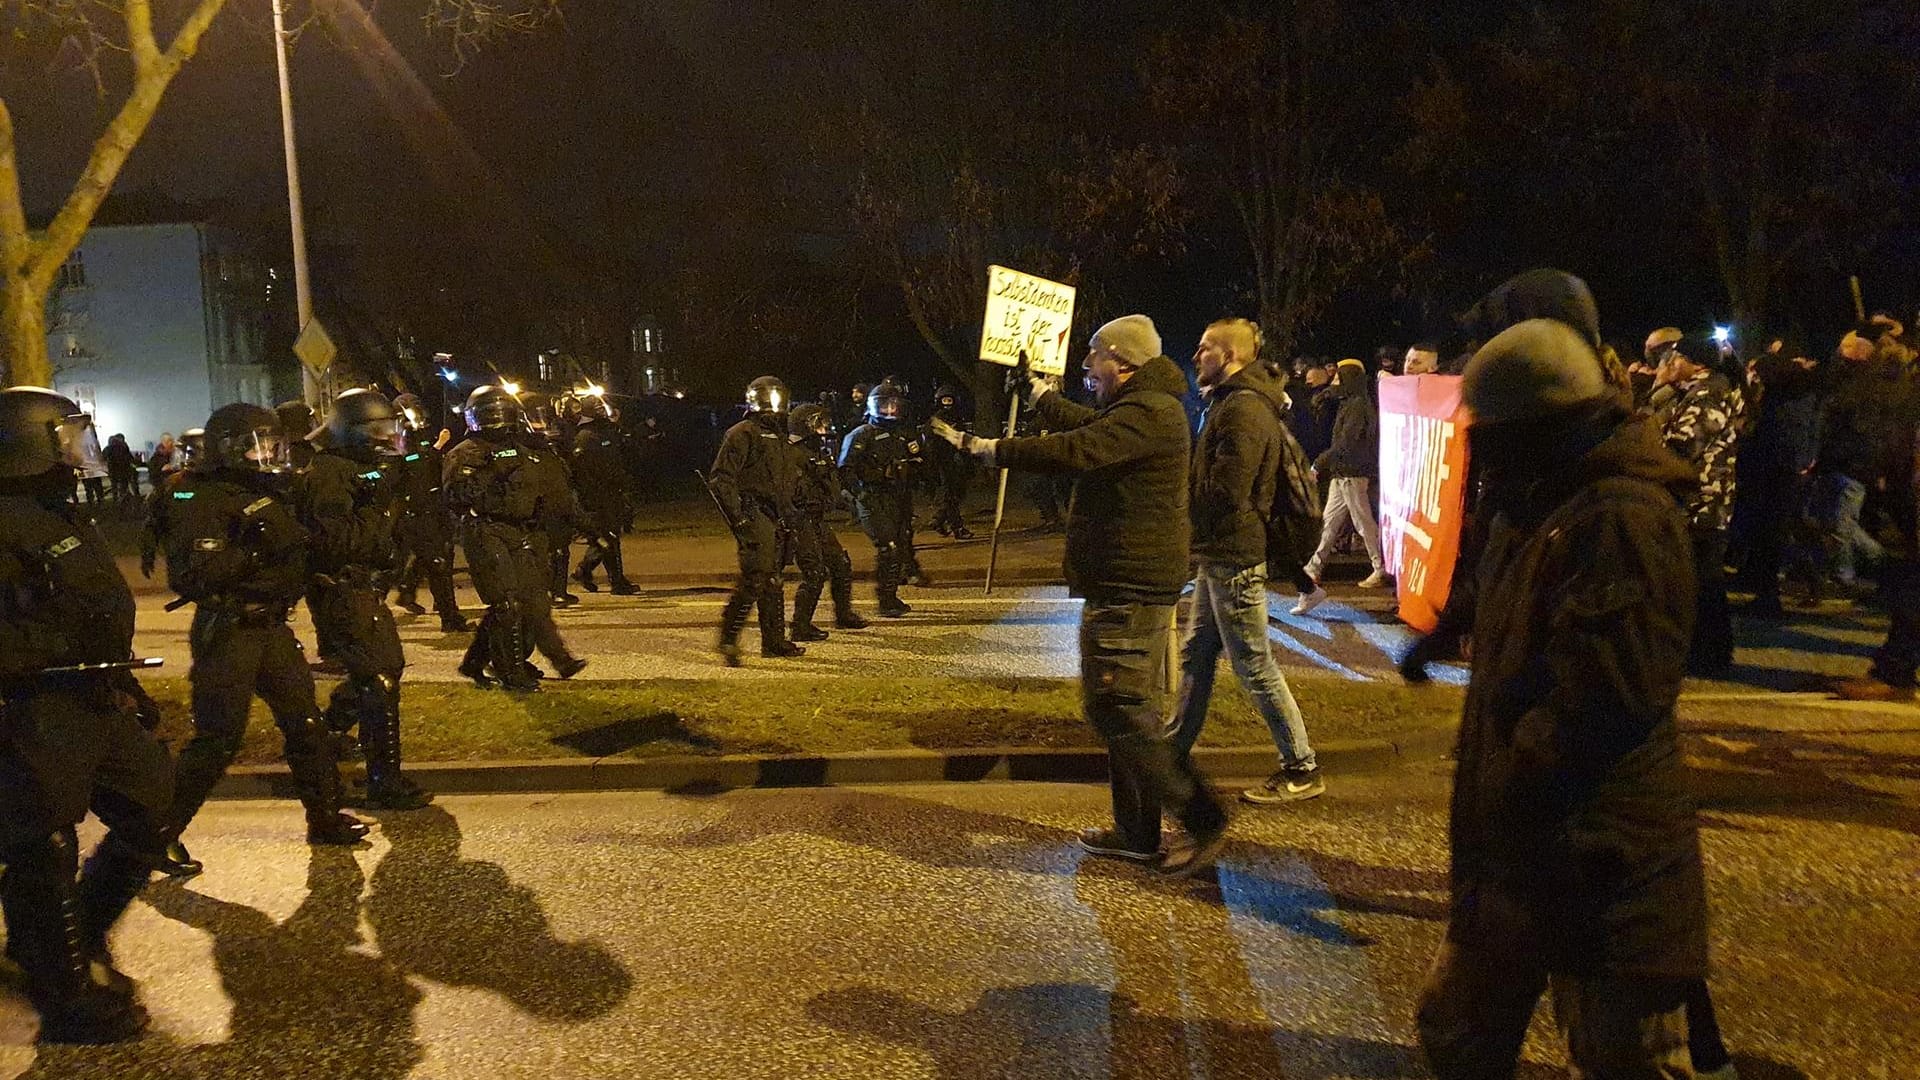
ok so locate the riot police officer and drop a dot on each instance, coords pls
(349, 502)
(600, 471)
(952, 469)
(753, 481)
(816, 550)
(877, 461)
(548, 423)
(496, 500)
(237, 552)
(69, 741)
(425, 530)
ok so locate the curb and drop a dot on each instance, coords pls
(725, 772)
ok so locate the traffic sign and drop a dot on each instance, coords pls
(315, 349)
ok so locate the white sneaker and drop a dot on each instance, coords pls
(1310, 600)
(1374, 580)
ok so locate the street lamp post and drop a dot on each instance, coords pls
(310, 385)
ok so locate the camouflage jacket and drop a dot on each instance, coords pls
(1701, 424)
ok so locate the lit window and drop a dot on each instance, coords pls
(73, 272)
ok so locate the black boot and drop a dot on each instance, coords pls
(617, 569)
(387, 787)
(179, 862)
(474, 664)
(507, 649)
(316, 780)
(584, 575)
(452, 622)
(80, 998)
(773, 623)
(733, 619)
(112, 877)
(844, 616)
(805, 599)
(887, 573)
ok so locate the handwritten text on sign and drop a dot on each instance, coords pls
(1030, 314)
(1423, 484)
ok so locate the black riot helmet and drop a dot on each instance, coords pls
(566, 407)
(364, 420)
(247, 438)
(413, 414)
(191, 451)
(768, 394)
(296, 420)
(946, 399)
(593, 405)
(809, 419)
(41, 431)
(886, 403)
(492, 411)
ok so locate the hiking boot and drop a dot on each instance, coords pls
(782, 649)
(961, 532)
(850, 620)
(1287, 785)
(565, 600)
(396, 793)
(1107, 843)
(892, 607)
(1309, 601)
(585, 578)
(623, 587)
(452, 622)
(570, 667)
(730, 652)
(478, 673)
(806, 632)
(1376, 580)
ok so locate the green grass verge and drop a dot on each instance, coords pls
(454, 722)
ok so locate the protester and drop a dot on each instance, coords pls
(1237, 465)
(159, 460)
(1127, 548)
(1700, 424)
(123, 469)
(1422, 359)
(1352, 461)
(1775, 459)
(1857, 429)
(1576, 862)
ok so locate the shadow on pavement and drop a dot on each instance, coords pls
(305, 1003)
(309, 1003)
(1265, 880)
(463, 922)
(1754, 770)
(619, 736)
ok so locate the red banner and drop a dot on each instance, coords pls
(1423, 489)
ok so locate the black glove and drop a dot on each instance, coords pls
(145, 709)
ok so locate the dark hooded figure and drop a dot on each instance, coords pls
(1575, 846)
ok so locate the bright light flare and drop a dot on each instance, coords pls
(510, 387)
(1722, 334)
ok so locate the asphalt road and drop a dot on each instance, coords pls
(954, 931)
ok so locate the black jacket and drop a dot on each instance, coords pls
(1571, 808)
(62, 599)
(881, 458)
(1127, 528)
(600, 467)
(1235, 463)
(1355, 450)
(488, 478)
(1860, 419)
(754, 472)
(349, 504)
(233, 537)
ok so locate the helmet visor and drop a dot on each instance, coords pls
(80, 445)
(386, 435)
(265, 450)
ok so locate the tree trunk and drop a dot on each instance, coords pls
(23, 335)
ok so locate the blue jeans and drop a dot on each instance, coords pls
(1230, 613)
(1123, 691)
(1838, 501)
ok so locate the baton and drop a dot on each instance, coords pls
(711, 494)
(118, 665)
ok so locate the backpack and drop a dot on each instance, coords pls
(1294, 520)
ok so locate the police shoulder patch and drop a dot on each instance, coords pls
(258, 505)
(882, 435)
(413, 457)
(506, 453)
(183, 494)
(64, 546)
